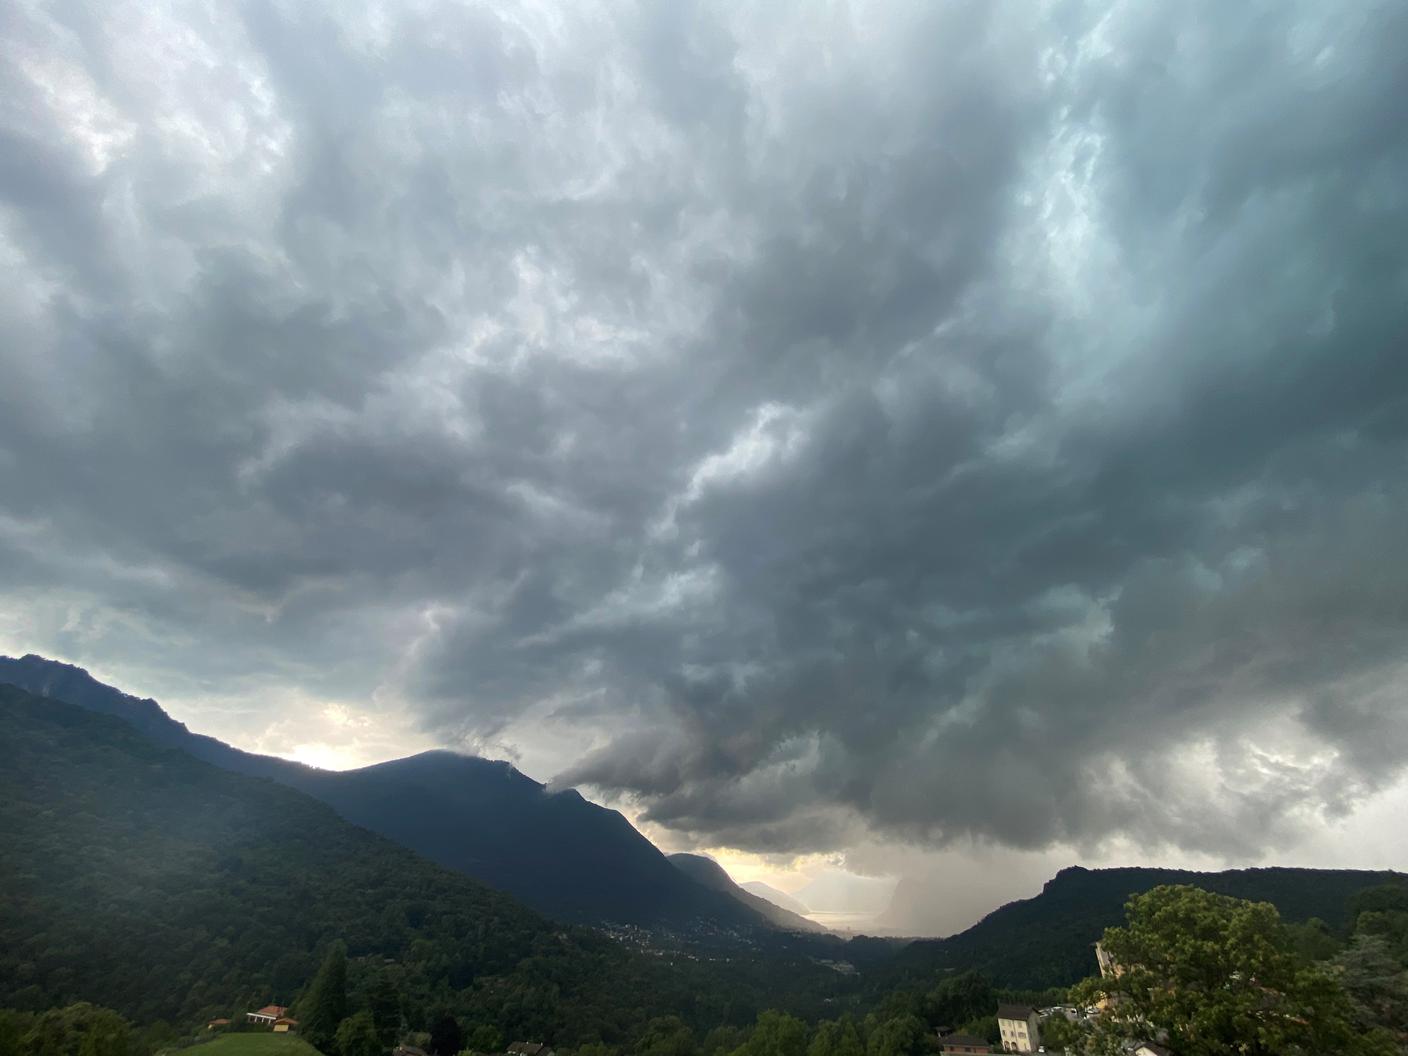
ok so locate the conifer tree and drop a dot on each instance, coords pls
(324, 1006)
(446, 1036)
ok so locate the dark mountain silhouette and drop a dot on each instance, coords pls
(138, 877)
(147, 880)
(704, 870)
(579, 862)
(565, 857)
(1048, 940)
(781, 899)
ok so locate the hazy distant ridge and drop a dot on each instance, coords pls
(781, 899)
(704, 870)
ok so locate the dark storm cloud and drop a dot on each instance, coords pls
(977, 420)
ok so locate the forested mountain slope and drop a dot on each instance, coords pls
(559, 853)
(1048, 940)
(704, 870)
(141, 878)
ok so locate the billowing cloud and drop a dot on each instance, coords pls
(810, 424)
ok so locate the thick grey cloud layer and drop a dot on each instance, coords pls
(965, 420)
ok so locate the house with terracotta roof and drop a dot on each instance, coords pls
(268, 1015)
(964, 1044)
(284, 1024)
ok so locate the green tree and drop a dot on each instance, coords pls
(723, 1039)
(1383, 912)
(666, 1036)
(488, 1038)
(837, 1038)
(13, 1026)
(76, 1030)
(1376, 983)
(324, 1006)
(1059, 1034)
(775, 1034)
(905, 1035)
(959, 999)
(1218, 976)
(1313, 939)
(384, 1003)
(1385, 898)
(357, 1036)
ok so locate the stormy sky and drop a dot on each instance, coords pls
(820, 429)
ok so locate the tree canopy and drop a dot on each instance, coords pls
(1216, 976)
(324, 1007)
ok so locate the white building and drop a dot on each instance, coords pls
(1019, 1027)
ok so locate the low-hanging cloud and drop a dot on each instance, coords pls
(950, 421)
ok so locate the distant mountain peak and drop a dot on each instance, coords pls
(69, 682)
(706, 871)
(781, 899)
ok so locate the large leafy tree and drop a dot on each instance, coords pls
(1218, 976)
(76, 1030)
(1383, 912)
(1377, 984)
(487, 1038)
(901, 1035)
(838, 1037)
(960, 999)
(666, 1036)
(1060, 1034)
(775, 1034)
(356, 1036)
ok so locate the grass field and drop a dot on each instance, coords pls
(255, 1045)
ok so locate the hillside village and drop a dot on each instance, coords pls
(1016, 1027)
(1019, 1028)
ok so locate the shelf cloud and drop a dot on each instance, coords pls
(806, 423)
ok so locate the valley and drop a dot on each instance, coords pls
(196, 889)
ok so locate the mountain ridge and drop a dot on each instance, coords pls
(704, 870)
(780, 899)
(146, 880)
(1029, 943)
(251, 877)
(561, 854)
(1047, 940)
